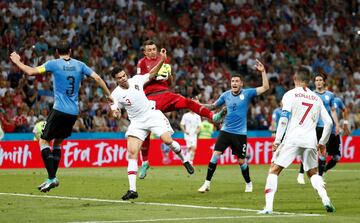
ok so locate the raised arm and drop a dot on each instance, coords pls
(212, 106)
(103, 86)
(265, 82)
(15, 58)
(156, 69)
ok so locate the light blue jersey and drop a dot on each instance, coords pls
(328, 99)
(237, 106)
(68, 75)
(339, 106)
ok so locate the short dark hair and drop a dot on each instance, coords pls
(237, 75)
(321, 74)
(63, 47)
(115, 70)
(147, 43)
(303, 74)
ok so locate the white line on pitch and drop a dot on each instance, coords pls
(193, 219)
(344, 171)
(152, 203)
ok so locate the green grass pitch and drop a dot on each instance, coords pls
(168, 194)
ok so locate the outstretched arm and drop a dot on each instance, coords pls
(265, 82)
(156, 69)
(15, 58)
(212, 106)
(103, 86)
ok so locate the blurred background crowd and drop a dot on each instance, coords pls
(207, 41)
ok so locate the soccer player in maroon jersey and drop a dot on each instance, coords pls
(166, 101)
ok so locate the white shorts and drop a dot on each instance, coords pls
(286, 154)
(155, 121)
(191, 141)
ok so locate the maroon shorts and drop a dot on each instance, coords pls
(166, 101)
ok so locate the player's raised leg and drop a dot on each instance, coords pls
(48, 160)
(175, 147)
(145, 158)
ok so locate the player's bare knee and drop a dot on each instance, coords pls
(44, 142)
(275, 169)
(166, 138)
(312, 172)
(241, 161)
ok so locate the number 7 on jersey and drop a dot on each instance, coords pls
(309, 106)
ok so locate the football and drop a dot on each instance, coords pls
(164, 72)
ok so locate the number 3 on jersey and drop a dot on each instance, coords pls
(71, 88)
(309, 106)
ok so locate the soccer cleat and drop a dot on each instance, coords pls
(49, 184)
(41, 185)
(189, 167)
(265, 212)
(248, 187)
(130, 194)
(218, 116)
(329, 207)
(143, 170)
(300, 179)
(204, 188)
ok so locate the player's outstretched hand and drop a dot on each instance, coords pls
(116, 114)
(110, 99)
(321, 149)
(163, 53)
(259, 66)
(14, 57)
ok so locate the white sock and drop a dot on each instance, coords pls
(144, 162)
(207, 182)
(192, 155)
(270, 189)
(175, 147)
(318, 184)
(132, 173)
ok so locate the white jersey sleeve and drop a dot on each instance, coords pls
(141, 79)
(287, 101)
(116, 95)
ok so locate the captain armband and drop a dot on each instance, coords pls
(41, 69)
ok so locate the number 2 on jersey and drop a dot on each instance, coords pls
(309, 106)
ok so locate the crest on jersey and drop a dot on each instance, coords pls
(137, 87)
(327, 97)
(242, 97)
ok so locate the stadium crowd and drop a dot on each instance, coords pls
(206, 40)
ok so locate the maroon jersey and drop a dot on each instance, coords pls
(143, 67)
